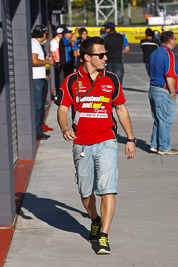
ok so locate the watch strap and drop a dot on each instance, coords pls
(133, 140)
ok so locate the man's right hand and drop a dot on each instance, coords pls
(51, 61)
(172, 95)
(69, 134)
(171, 84)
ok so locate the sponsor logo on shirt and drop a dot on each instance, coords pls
(93, 115)
(107, 88)
(79, 83)
(92, 105)
(94, 99)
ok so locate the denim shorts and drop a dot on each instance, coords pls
(97, 169)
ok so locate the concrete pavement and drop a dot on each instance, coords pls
(52, 228)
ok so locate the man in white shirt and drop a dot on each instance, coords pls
(39, 74)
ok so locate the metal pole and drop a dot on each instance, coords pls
(115, 15)
(70, 12)
(122, 8)
(96, 10)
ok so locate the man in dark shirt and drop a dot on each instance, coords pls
(148, 45)
(65, 50)
(116, 45)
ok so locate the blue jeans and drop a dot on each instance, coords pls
(97, 169)
(163, 109)
(38, 91)
(117, 68)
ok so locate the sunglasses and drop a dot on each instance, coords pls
(100, 55)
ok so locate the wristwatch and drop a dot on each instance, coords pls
(134, 140)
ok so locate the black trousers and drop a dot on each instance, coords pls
(68, 69)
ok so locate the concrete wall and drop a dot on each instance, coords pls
(21, 27)
(7, 198)
(22, 23)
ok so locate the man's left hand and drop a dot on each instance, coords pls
(130, 150)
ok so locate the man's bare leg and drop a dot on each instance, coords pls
(90, 205)
(107, 211)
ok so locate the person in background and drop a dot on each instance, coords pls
(116, 45)
(102, 32)
(93, 92)
(82, 36)
(54, 48)
(148, 45)
(162, 94)
(157, 36)
(65, 50)
(39, 74)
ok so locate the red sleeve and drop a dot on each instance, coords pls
(171, 67)
(65, 93)
(119, 96)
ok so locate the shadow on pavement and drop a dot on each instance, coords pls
(54, 213)
(140, 143)
(135, 90)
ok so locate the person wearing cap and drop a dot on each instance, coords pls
(39, 74)
(116, 45)
(82, 36)
(54, 48)
(65, 50)
(148, 45)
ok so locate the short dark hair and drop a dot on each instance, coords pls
(39, 31)
(82, 30)
(87, 45)
(110, 25)
(149, 32)
(166, 37)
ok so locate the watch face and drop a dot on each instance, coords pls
(134, 140)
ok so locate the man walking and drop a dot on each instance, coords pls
(116, 45)
(93, 92)
(162, 94)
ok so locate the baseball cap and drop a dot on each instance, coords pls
(110, 25)
(67, 30)
(59, 30)
(39, 28)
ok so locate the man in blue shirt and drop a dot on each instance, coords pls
(82, 36)
(162, 94)
(116, 45)
(65, 51)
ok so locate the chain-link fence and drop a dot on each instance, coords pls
(87, 17)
